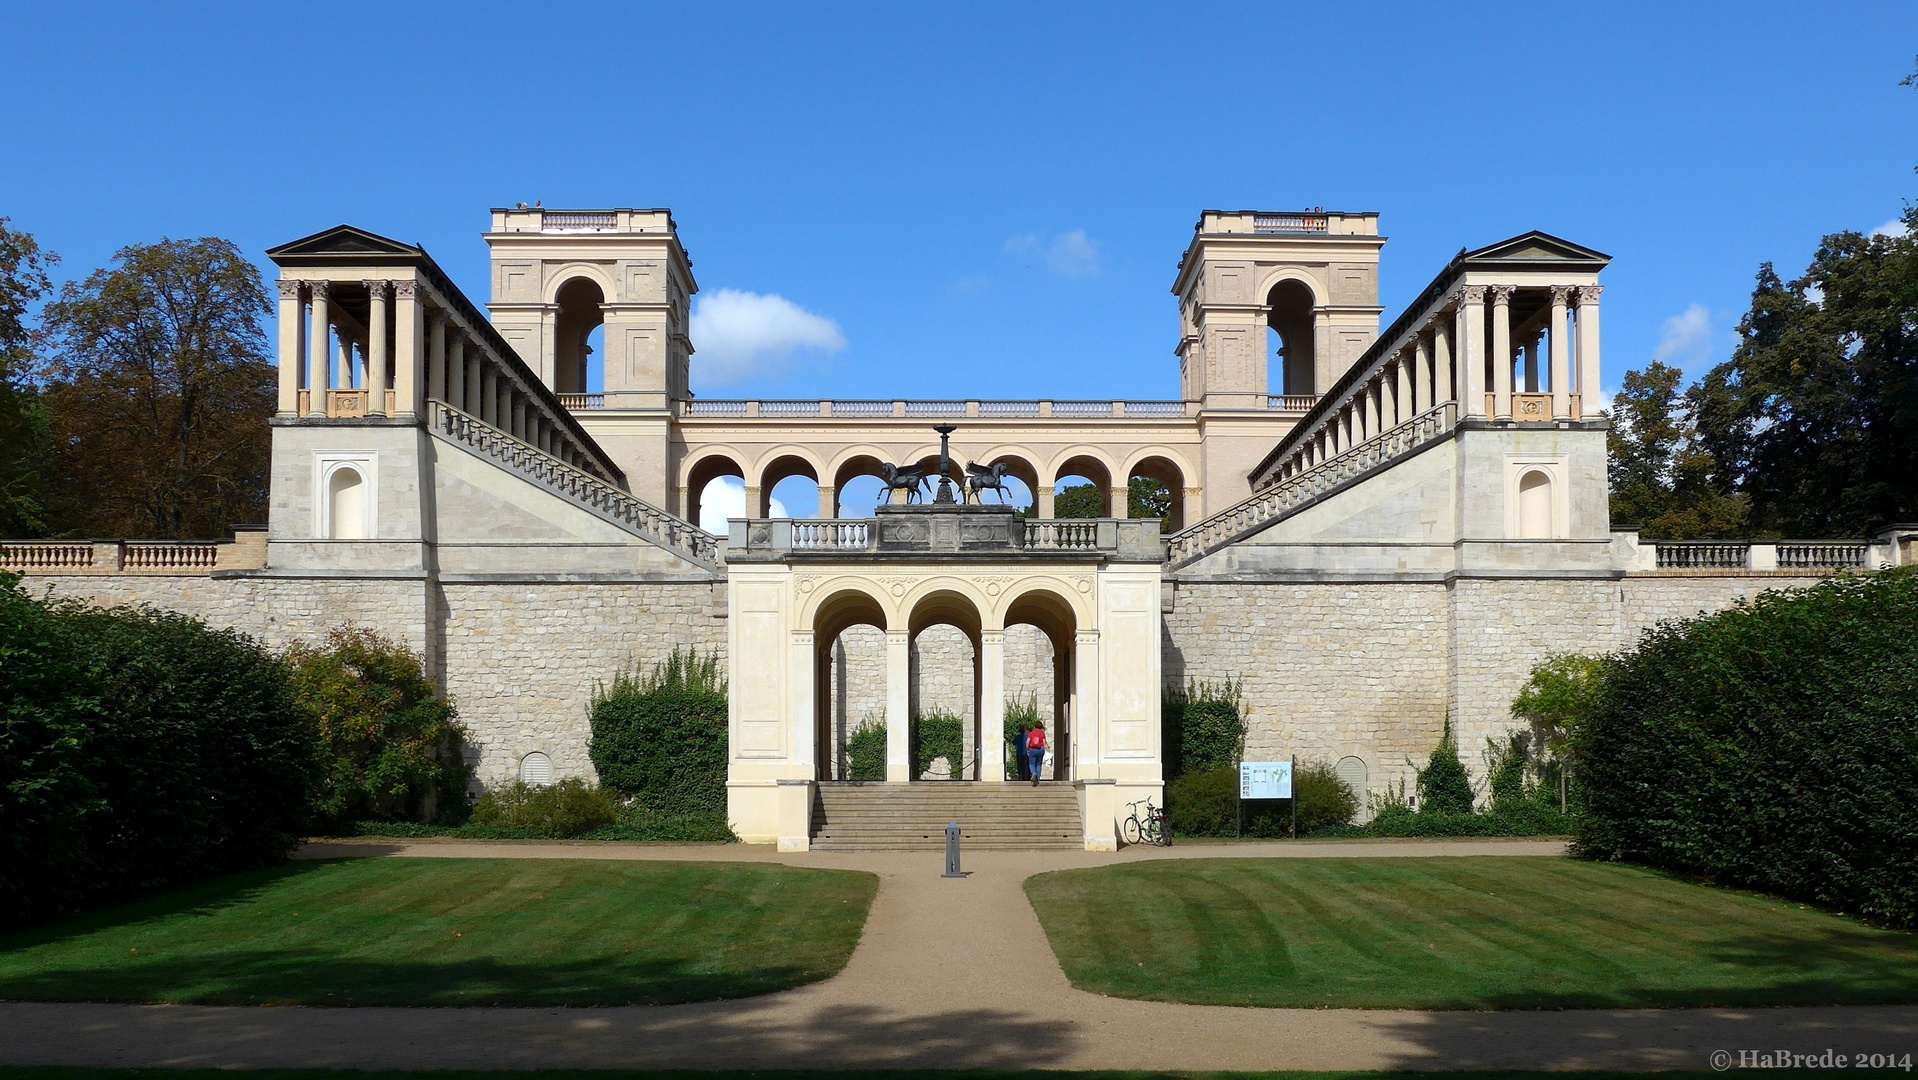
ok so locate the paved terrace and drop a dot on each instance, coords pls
(949, 974)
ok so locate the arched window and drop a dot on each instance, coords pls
(346, 504)
(1535, 506)
(1291, 361)
(536, 769)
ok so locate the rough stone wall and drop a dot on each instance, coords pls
(521, 660)
(278, 611)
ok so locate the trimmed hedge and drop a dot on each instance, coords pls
(1207, 804)
(139, 750)
(568, 808)
(660, 738)
(1772, 745)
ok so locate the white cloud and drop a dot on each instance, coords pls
(1687, 338)
(739, 335)
(1072, 255)
(725, 497)
(1894, 227)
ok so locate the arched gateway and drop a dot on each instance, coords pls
(1091, 586)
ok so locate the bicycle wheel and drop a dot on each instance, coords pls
(1131, 830)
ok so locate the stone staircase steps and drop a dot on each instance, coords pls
(894, 817)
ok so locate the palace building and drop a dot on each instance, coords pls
(1374, 528)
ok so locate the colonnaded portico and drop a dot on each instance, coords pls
(1373, 530)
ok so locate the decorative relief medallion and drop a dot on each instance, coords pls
(1084, 584)
(808, 582)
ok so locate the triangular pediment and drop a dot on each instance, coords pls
(342, 240)
(1536, 247)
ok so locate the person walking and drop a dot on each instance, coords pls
(1036, 752)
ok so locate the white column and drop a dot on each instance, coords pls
(474, 387)
(292, 345)
(1561, 357)
(436, 355)
(456, 370)
(898, 701)
(409, 342)
(343, 370)
(319, 348)
(1501, 352)
(1086, 756)
(488, 410)
(1588, 349)
(1444, 371)
(1471, 350)
(377, 293)
(1403, 402)
(1421, 376)
(1375, 424)
(1121, 501)
(991, 753)
(1323, 373)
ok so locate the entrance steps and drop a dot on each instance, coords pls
(853, 816)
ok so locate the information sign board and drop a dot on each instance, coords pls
(1265, 780)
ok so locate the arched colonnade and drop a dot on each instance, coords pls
(1039, 471)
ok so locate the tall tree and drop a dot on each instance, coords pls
(1664, 477)
(158, 394)
(23, 441)
(1815, 416)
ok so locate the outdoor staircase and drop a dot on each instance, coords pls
(1310, 487)
(588, 492)
(899, 817)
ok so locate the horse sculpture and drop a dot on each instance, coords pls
(979, 478)
(908, 480)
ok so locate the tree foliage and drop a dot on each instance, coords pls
(388, 745)
(660, 737)
(23, 429)
(1145, 498)
(1771, 745)
(157, 394)
(139, 750)
(1663, 479)
(1443, 785)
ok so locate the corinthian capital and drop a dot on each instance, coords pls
(322, 290)
(1560, 293)
(1502, 294)
(1471, 294)
(379, 290)
(1588, 294)
(290, 288)
(406, 290)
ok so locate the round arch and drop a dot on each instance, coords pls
(580, 301)
(840, 607)
(1094, 466)
(708, 466)
(781, 465)
(1292, 300)
(1021, 464)
(561, 276)
(1055, 615)
(1166, 471)
(937, 658)
(1297, 274)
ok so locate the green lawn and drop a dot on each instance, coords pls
(455, 932)
(1453, 933)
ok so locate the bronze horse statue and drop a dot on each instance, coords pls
(907, 479)
(980, 478)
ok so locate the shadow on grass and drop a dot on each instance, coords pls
(205, 897)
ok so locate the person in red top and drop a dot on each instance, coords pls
(1036, 752)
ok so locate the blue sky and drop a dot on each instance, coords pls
(980, 200)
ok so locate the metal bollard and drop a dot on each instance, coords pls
(952, 852)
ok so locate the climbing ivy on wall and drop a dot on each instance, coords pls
(660, 736)
(1204, 726)
(938, 734)
(866, 751)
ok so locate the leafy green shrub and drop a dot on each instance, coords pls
(1772, 746)
(387, 745)
(1207, 804)
(139, 750)
(1532, 818)
(1443, 786)
(660, 738)
(1508, 765)
(866, 751)
(1021, 717)
(938, 734)
(568, 808)
(1203, 727)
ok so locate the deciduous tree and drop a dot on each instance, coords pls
(158, 393)
(23, 442)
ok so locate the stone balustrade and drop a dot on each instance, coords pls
(936, 528)
(176, 558)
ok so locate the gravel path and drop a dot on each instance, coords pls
(949, 974)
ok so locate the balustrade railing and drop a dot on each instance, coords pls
(1703, 555)
(715, 408)
(1081, 408)
(1822, 555)
(161, 555)
(1008, 408)
(1280, 223)
(577, 402)
(578, 221)
(1302, 489)
(935, 408)
(574, 484)
(46, 556)
(862, 408)
(1055, 534)
(853, 535)
(1292, 403)
(1144, 410)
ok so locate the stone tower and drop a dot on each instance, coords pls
(558, 275)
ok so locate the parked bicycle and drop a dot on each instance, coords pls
(1148, 825)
